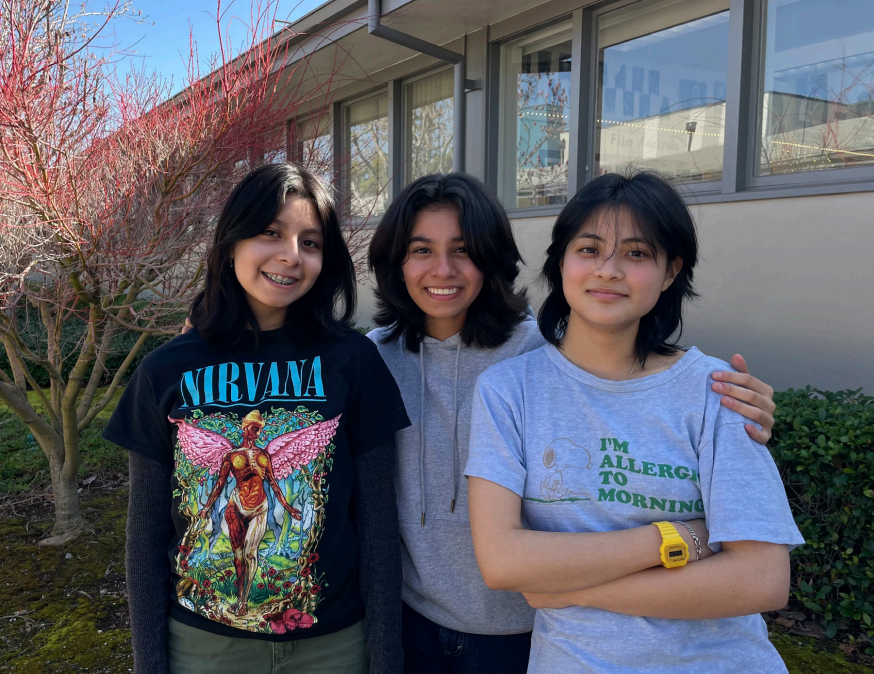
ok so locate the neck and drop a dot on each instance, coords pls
(270, 320)
(443, 328)
(607, 353)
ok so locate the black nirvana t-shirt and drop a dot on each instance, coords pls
(262, 442)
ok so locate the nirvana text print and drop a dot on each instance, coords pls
(253, 492)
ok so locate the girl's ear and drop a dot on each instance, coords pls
(674, 267)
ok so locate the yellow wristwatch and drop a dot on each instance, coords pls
(673, 550)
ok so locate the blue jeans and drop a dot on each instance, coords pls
(432, 649)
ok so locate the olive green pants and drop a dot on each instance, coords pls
(194, 651)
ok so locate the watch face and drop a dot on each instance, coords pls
(675, 553)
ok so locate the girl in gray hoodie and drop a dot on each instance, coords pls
(445, 264)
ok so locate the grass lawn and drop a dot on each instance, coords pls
(23, 462)
(65, 609)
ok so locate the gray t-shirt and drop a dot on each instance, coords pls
(588, 454)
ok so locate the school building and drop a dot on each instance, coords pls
(761, 110)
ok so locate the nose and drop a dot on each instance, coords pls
(444, 266)
(610, 268)
(290, 252)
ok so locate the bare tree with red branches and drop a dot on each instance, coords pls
(107, 195)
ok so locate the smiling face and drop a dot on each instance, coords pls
(280, 265)
(440, 276)
(611, 276)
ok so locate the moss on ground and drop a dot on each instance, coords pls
(804, 655)
(71, 612)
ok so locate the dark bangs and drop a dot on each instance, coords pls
(489, 240)
(661, 218)
(221, 313)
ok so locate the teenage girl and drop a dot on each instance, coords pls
(445, 264)
(609, 429)
(262, 525)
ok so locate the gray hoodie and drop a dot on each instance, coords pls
(441, 578)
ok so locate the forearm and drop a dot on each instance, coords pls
(557, 562)
(375, 516)
(738, 581)
(516, 559)
(149, 529)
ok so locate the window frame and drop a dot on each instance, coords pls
(746, 51)
(341, 164)
(493, 111)
(294, 150)
(815, 179)
(402, 114)
(691, 190)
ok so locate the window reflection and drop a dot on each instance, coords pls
(661, 90)
(313, 146)
(366, 154)
(818, 94)
(535, 110)
(428, 125)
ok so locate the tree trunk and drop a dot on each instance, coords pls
(69, 522)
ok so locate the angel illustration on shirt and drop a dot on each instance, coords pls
(251, 467)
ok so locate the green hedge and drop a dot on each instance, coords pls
(34, 335)
(823, 443)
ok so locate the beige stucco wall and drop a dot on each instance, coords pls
(789, 283)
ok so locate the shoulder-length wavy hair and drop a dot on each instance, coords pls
(662, 220)
(221, 313)
(489, 240)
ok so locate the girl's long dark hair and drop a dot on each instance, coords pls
(489, 240)
(221, 313)
(663, 220)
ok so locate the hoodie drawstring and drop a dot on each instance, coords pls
(455, 430)
(422, 432)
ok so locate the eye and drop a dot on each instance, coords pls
(462, 250)
(270, 232)
(638, 253)
(587, 250)
(311, 243)
(421, 250)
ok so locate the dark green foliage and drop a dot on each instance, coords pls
(34, 335)
(823, 443)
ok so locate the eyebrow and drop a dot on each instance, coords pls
(425, 239)
(633, 239)
(306, 232)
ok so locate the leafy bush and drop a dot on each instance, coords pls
(34, 335)
(823, 443)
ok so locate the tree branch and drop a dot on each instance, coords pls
(115, 383)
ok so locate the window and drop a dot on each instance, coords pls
(662, 73)
(536, 142)
(817, 94)
(428, 126)
(313, 149)
(365, 156)
(276, 146)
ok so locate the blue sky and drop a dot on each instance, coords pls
(161, 40)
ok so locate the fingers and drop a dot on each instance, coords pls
(760, 436)
(741, 379)
(752, 405)
(739, 363)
